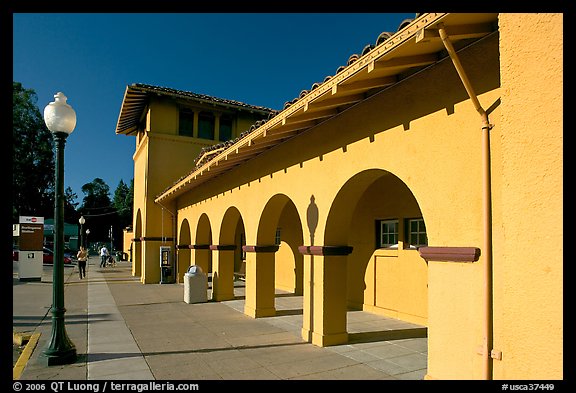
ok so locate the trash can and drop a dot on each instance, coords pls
(195, 285)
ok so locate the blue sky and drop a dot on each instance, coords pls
(259, 59)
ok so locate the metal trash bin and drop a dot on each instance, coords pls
(195, 285)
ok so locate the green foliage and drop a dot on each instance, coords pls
(101, 213)
(33, 176)
(97, 194)
(33, 157)
(123, 202)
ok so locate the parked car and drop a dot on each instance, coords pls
(49, 257)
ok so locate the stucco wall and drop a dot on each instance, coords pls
(425, 132)
(528, 234)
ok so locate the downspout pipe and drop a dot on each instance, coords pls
(486, 205)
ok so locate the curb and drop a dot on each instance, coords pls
(20, 338)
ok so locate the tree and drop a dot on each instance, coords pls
(70, 204)
(123, 198)
(97, 195)
(101, 213)
(33, 157)
(97, 209)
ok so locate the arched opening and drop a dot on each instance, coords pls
(280, 225)
(184, 254)
(276, 266)
(377, 215)
(202, 252)
(228, 255)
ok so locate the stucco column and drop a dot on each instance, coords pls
(327, 297)
(223, 272)
(308, 298)
(195, 125)
(260, 293)
(183, 260)
(137, 258)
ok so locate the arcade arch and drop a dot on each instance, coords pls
(357, 270)
(274, 262)
(227, 255)
(184, 252)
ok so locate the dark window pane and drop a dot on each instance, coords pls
(206, 125)
(186, 123)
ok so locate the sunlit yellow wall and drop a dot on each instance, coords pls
(426, 133)
(288, 259)
(380, 280)
(161, 159)
(127, 236)
(528, 235)
(140, 178)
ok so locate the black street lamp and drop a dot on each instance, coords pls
(82, 221)
(60, 119)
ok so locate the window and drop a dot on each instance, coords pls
(186, 123)
(417, 232)
(387, 231)
(206, 125)
(277, 237)
(225, 128)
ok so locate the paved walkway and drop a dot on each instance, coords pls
(124, 330)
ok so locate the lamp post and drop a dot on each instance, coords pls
(82, 221)
(87, 243)
(60, 119)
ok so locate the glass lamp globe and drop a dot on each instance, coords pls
(59, 116)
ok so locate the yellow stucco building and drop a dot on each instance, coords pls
(423, 181)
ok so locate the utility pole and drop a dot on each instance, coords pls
(111, 241)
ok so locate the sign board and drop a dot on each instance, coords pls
(31, 237)
(31, 233)
(31, 220)
(31, 245)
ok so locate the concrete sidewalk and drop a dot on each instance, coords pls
(124, 330)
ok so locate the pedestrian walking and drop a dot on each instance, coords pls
(82, 257)
(103, 256)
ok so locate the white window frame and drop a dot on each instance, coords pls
(384, 225)
(420, 232)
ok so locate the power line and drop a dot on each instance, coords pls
(106, 214)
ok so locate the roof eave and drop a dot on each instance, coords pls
(415, 46)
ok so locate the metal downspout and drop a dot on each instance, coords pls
(487, 205)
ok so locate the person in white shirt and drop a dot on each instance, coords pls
(103, 256)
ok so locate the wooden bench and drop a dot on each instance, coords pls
(241, 274)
